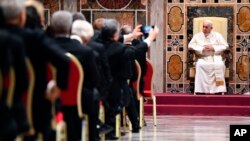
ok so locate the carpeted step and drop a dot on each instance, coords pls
(187, 99)
(186, 104)
(220, 110)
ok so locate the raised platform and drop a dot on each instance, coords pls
(186, 104)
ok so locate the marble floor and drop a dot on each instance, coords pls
(186, 128)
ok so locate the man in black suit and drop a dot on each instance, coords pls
(140, 55)
(141, 48)
(118, 56)
(103, 65)
(41, 50)
(13, 119)
(104, 68)
(102, 60)
(12, 56)
(16, 57)
(61, 23)
(133, 107)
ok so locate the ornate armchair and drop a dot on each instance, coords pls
(136, 85)
(9, 86)
(219, 25)
(148, 88)
(30, 92)
(72, 96)
(58, 123)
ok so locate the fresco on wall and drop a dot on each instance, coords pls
(175, 67)
(175, 19)
(243, 19)
(243, 68)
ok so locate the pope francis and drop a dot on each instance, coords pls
(210, 67)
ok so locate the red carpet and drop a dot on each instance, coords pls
(186, 104)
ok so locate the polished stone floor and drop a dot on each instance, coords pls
(186, 128)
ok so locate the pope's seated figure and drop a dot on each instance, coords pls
(210, 67)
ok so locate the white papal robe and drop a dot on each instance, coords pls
(210, 68)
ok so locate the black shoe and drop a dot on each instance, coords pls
(135, 130)
(123, 133)
(20, 118)
(145, 124)
(105, 129)
(111, 136)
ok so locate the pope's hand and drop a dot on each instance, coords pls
(208, 47)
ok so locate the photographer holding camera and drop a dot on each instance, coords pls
(135, 38)
(140, 47)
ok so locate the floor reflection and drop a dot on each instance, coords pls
(186, 128)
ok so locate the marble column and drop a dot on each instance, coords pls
(157, 53)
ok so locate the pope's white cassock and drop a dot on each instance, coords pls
(210, 68)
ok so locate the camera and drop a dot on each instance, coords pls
(145, 29)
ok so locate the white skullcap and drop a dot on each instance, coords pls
(209, 22)
(82, 28)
